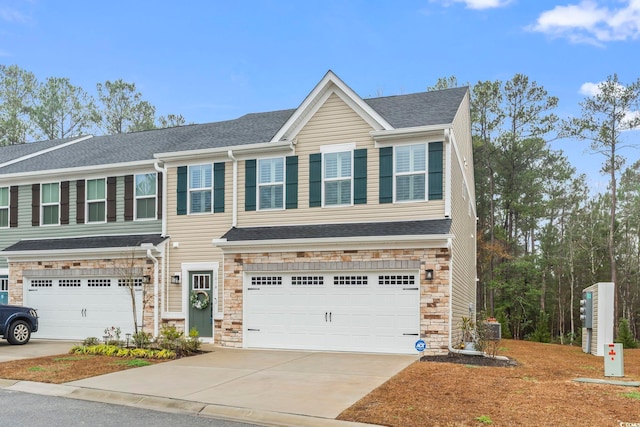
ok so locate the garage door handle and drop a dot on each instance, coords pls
(412, 335)
(253, 330)
(253, 289)
(410, 289)
(329, 316)
(325, 316)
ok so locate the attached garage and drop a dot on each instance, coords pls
(77, 308)
(82, 286)
(338, 311)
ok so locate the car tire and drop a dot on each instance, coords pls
(19, 333)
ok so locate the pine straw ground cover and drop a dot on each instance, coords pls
(539, 391)
(64, 368)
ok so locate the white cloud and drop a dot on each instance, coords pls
(589, 89)
(588, 22)
(478, 4)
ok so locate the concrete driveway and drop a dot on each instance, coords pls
(34, 348)
(314, 384)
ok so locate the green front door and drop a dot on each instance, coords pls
(201, 302)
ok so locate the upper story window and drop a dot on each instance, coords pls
(145, 193)
(200, 188)
(96, 200)
(410, 172)
(50, 203)
(337, 178)
(271, 183)
(4, 207)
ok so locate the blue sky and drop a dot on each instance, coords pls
(217, 60)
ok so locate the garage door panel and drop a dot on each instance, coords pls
(333, 311)
(77, 308)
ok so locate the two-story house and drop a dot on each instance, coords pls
(344, 224)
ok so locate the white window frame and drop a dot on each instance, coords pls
(337, 149)
(190, 190)
(87, 202)
(7, 207)
(396, 174)
(43, 205)
(271, 184)
(136, 197)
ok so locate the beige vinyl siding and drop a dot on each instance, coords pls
(463, 221)
(335, 123)
(194, 234)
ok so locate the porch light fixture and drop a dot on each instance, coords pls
(175, 278)
(428, 274)
(146, 279)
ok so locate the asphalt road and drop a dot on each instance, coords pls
(24, 409)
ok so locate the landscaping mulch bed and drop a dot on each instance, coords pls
(469, 359)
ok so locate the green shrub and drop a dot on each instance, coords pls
(541, 333)
(625, 336)
(90, 341)
(141, 339)
(116, 351)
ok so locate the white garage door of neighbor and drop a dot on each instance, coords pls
(77, 308)
(376, 312)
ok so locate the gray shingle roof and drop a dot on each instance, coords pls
(418, 109)
(368, 229)
(12, 152)
(95, 242)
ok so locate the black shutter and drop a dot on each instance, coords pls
(250, 185)
(386, 175)
(35, 205)
(128, 197)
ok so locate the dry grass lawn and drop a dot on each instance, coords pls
(63, 368)
(540, 391)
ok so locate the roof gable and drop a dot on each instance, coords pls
(329, 85)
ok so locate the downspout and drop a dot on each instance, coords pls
(234, 220)
(163, 170)
(448, 133)
(155, 292)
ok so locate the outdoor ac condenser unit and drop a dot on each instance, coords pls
(494, 331)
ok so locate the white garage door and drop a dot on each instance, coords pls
(368, 312)
(77, 308)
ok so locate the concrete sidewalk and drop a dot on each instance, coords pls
(268, 387)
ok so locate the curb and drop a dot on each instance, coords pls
(176, 406)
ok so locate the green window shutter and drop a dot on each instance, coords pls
(182, 191)
(218, 187)
(435, 171)
(250, 185)
(315, 180)
(360, 176)
(292, 182)
(386, 175)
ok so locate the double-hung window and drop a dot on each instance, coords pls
(337, 178)
(200, 188)
(146, 190)
(96, 200)
(271, 183)
(50, 203)
(4, 207)
(410, 172)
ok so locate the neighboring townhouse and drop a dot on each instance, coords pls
(80, 228)
(345, 224)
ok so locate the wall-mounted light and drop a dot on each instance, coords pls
(175, 278)
(146, 279)
(428, 274)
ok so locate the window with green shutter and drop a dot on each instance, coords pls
(4, 207)
(291, 182)
(96, 200)
(218, 187)
(200, 188)
(435, 171)
(146, 190)
(386, 175)
(250, 185)
(360, 176)
(271, 183)
(181, 191)
(315, 180)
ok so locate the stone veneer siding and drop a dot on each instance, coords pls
(434, 294)
(83, 268)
